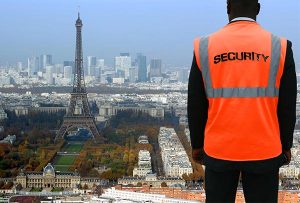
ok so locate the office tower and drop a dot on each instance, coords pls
(100, 63)
(142, 68)
(125, 54)
(59, 68)
(68, 72)
(69, 63)
(132, 74)
(122, 65)
(183, 75)
(19, 66)
(49, 74)
(33, 65)
(91, 65)
(99, 68)
(155, 68)
(45, 60)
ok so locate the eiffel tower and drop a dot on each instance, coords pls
(78, 114)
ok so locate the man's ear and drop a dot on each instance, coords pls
(258, 8)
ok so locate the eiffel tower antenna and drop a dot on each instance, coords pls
(78, 114)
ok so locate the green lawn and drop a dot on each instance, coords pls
(73, 148)
(65, 160)
(63, 163)
(61, 168)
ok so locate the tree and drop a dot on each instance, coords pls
(8, 185)
(85, 187)
(163, 184)
(186, 177)
(1, 184)
(99, 190)
(19, 187)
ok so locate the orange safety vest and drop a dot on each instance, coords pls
(242, 65)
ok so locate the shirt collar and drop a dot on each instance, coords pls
(242, 18)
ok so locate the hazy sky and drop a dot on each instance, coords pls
(158, 28)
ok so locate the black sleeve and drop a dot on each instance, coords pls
(286, 110)
(197, 106)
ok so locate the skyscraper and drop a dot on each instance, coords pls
(33, 65)
(155, 68)
(91, 65)
(183, 75)
(142, 67)
(100, 63)
(122, 65)
(45, 60)
(49, 74)
(69, 63)
(19, 66)
(132, 74)
(99, 68)
(68, 72)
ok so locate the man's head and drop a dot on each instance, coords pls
(242, 8)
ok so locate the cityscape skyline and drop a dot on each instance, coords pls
(157, 29)
(136, 113)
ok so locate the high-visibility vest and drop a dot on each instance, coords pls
(242, 65)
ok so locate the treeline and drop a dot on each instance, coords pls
(34, 144)
(39, 120)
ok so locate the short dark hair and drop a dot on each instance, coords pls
(243, 2)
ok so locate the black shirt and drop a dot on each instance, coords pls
(286, 112)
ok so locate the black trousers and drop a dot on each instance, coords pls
(221, 186)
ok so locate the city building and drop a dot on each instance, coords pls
(152, 180)
(132, 75)
(91, 65)
(128, 196)
(99, 68)
(9, 139)
(179, 193)
(174, 157)
(69, 63)
(122, 65)
(143, 139)
(68, 72)
(21, 111)
(155, 68)
(33, 66)
(100, 63)
(45, 60)
(144, 164)
(109, 110)
(183, 75)
(119, 80)
(19, 66)
(142, 68)
(50, 178)
(49, 75)
(290, 171)
(3, 115)
(5, 80)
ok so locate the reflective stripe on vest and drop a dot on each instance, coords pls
(242, 92)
